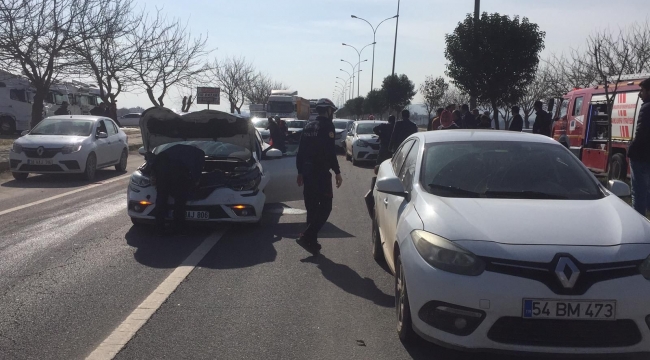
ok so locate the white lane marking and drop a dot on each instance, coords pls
(88, 187)
(114, 343)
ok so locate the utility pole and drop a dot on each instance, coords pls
(396, 26)
(477, 10)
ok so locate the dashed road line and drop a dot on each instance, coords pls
(116, 341)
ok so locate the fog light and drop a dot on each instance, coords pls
(243, 210)
(139, 206)
(457, 320)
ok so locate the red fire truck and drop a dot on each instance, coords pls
(582, 125)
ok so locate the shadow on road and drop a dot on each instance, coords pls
(61, 181)
(349, 281)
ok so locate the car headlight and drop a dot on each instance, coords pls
(362, 143)
(17, 148)
(445, 255)
(644, 268)
(72, 148)
(138, 179)
(249, 185)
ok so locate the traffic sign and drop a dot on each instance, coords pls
(208, 95)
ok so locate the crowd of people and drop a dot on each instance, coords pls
(450, 118)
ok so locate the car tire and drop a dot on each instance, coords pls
(20, 176)
(7, 126)
(121, 166)
(402, 308)
(91, 167)
(618, 167)
(377, 248)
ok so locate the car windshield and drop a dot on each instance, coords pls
(280, 107)
(519, 170)
(261, 123)
(296, 124)
(363, 129)
(212, 149)
(63, 127)
(341, 125)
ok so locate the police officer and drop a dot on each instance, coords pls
(316, 157)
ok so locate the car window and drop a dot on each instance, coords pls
(400, 155)
(101, 127)
(577, 106)
(507, 169)
(564, 108)
(407, 172)
(112, 130)
(364, 129)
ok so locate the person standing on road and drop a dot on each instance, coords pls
(316, 157)
(63, 109)
(477, 115)
(485, 123)
(403, 129)
(447, 121)
(517, 122)
(99, 110)
(639, 154)
(385, 132)
(542, 123)
(468, 121)
(435, 123)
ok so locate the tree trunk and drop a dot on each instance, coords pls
(495, 110)
(152, 98)
(526, 121)
(37, 107)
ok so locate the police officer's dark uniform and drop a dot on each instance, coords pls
(316, 157)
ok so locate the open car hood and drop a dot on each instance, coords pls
(160, 126)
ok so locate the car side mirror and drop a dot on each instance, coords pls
(142, 151)
(102, 135)
(619, 188)
(391, 185)
(272, 154)
(24, 133)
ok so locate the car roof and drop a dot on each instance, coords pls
(371, 122)
(77, 117)
(482, 135)
(343, 120)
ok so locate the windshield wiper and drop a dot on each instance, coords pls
(455, 190)
(524, 194)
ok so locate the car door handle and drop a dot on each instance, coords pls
(386, 201)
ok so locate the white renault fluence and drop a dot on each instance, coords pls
(505, 241)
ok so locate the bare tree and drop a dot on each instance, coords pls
(108, 52)
(234, 75)
(453, 95)
(433, 90)
(539, 89)
(166, 56)
(37, 36)
(259, 89)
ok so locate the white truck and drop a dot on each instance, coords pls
(287, 104)
(17, 95)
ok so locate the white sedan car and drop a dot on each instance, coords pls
(342, 127)
(505, 241)
(69, 144)
(234, 178)
(361, 143)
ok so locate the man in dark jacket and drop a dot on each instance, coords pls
(542, 123)
(63, 109)
(99, 110)
(403, 129)
(639, 154)
(468, 121)
(176, 172)
(517, 122)
(316, 157)
(385, 132)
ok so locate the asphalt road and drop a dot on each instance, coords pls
(73, 268)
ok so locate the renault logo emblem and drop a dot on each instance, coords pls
(40, 151)
(567, 272)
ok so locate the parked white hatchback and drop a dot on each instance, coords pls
(361, 143)
(233, 180)
(505, 241)
(69, 144)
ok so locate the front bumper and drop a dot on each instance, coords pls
(500, 297)
(57, 163)
(368, 153)
(220, 204)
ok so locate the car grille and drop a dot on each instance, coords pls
(565, 333)
(37, 168)
(47, 153)
(14, 163)
(589, 274)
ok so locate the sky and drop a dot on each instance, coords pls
(300, 42)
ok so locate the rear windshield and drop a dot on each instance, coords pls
(519, 170)
(340, 125)
(363, 129)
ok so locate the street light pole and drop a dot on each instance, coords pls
(353, 67)
(374, 42)
(358, 53)
(396, 26)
